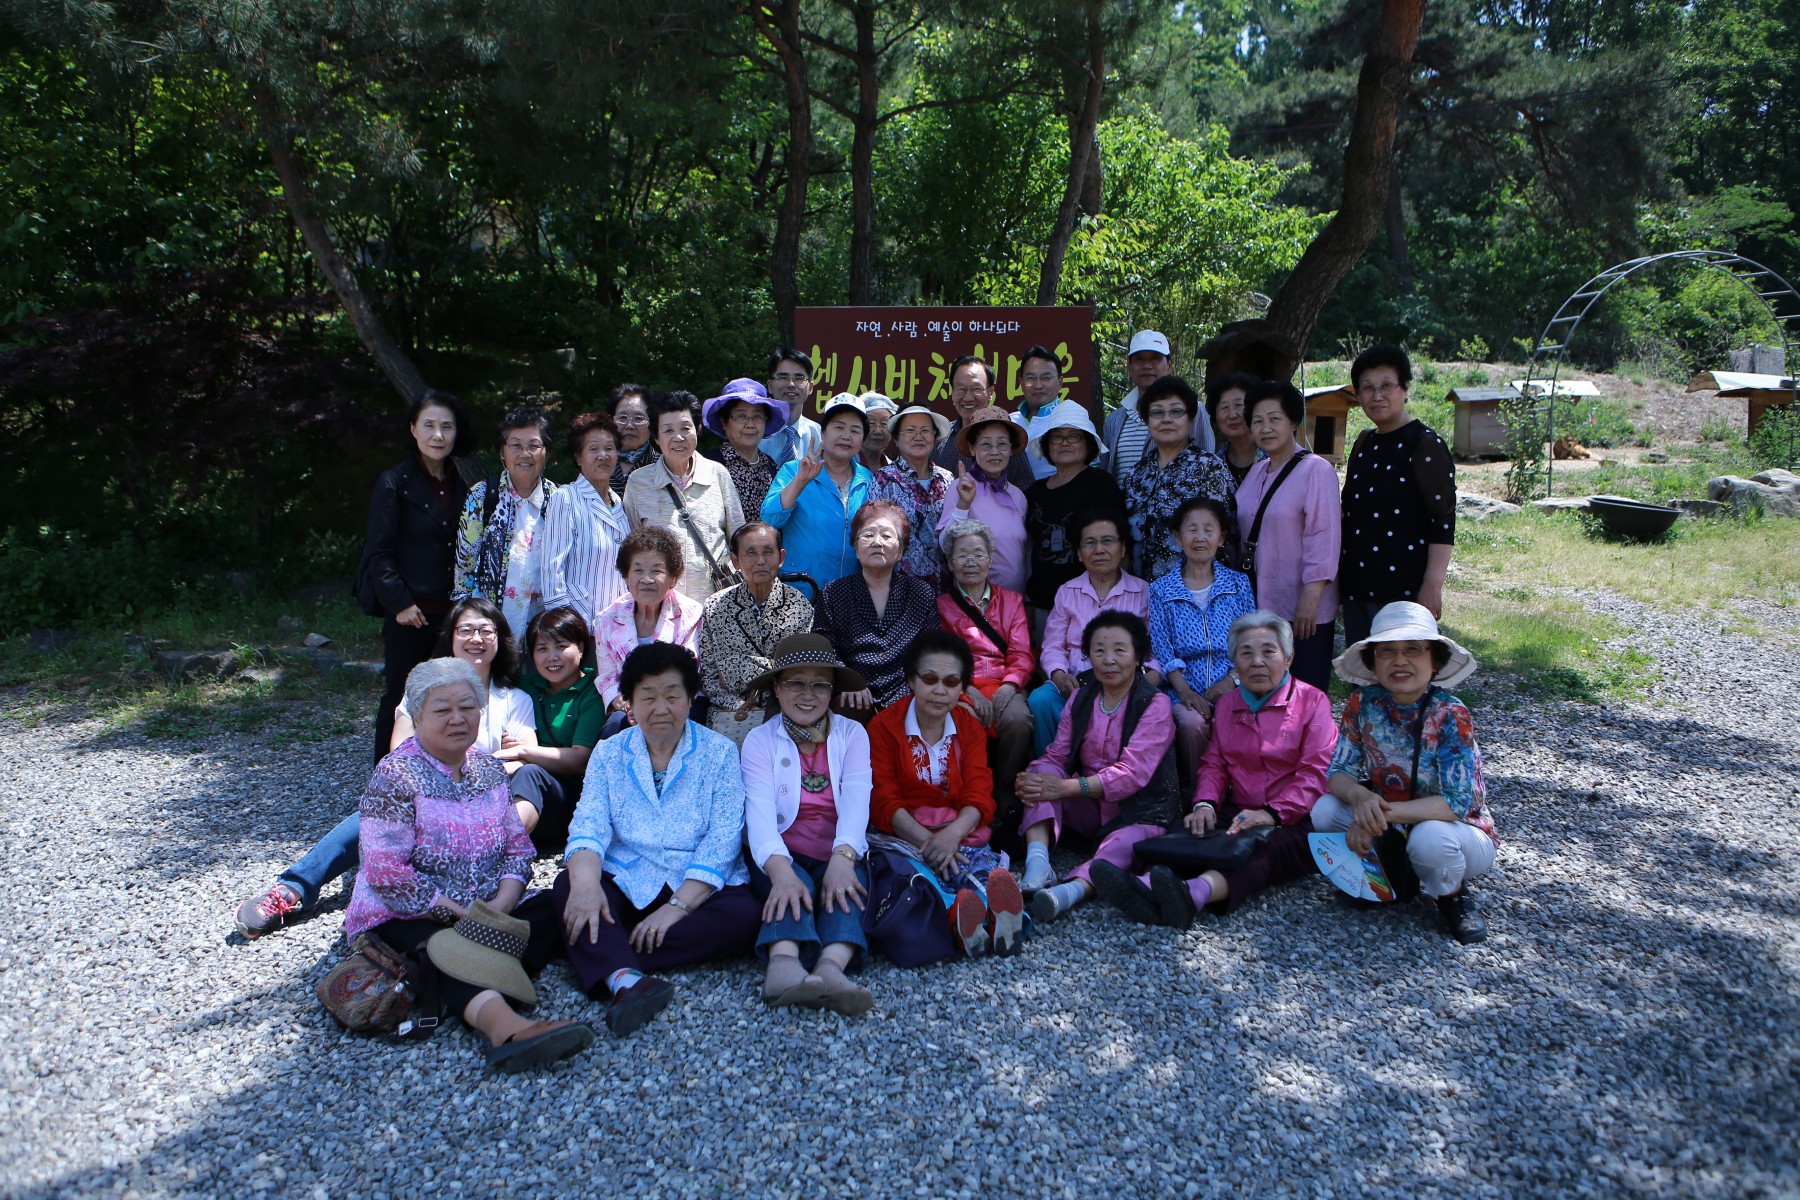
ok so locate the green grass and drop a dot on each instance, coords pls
(1555, 648)
(1661, 483)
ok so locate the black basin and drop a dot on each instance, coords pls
(1633, 518)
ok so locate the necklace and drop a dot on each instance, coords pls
(812, 779)
(1101, 701)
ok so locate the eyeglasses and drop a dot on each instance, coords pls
(1047, 377)
(963, 393)
(525, 447)
(877, 534)
(1105, 543)
(1168, 414)
(1389, 651)
(486, 633)
(744, 416)
(971, 556)
(800, 687)
(630, 419)
(1070, 437)
(1369, 391)
(789, 377)
(932, 679)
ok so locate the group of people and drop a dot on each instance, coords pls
(758, 696)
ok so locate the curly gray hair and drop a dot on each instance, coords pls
(435, 673)
(1262, 618)
(969, 528)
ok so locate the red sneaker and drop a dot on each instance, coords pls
(1007, 904)
(968, 916)
(259, 914)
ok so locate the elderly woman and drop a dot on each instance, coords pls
(408, 562)
(629, 407)
(1053, 504)
(983, 494)
(1265, 768)
(935, 801)
(1191, 611)
(1173, 471)
(1103, 542)
(1407, 769)
(1399, 506)
(918, 486)
(654, 875)
(475, 633)
(742, 415)
(500, 539)
(742, 626)
(1287, 511)
(878, 446)
(691, 497)
(653, 609)
(806, 814)
(584, 524)
(1237, 447)
(569, 716)
(815, 497)
(992, 622)
(1110, 772)
(441, 843)
(873, 615)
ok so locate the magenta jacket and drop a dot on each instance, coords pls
(1276, 758)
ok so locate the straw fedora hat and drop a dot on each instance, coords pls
(991, 415)
(807, 650)
(484, 949)
(1404, 621)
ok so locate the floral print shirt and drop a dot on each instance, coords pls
(1152, 494)
(519, 521)
(1375, 748)
(923, 502)
(752, 478)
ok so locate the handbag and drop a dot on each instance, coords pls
(377, 990)
(1390, 847)
(1190, 854)
(1256, 525)
(723, 576)
(907, 919)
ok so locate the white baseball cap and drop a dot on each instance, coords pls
(1148, 339)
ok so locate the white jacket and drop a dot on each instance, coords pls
(771, 766)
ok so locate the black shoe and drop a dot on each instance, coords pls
(1462, 919)
(634, 1007)
(1174, 903)
(1122, 890)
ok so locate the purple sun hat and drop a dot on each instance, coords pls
(712, 414)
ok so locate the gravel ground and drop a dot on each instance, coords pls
(1626, 1031)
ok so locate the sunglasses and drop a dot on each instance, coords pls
(932, 679)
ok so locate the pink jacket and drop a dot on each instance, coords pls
(615, 635)
(1276, 758)
(1076, 605)
(1006, 613)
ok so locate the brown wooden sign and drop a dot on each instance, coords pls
(905, 352)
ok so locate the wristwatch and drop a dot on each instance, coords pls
(847, 852)
(678, 902)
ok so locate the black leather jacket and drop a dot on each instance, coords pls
(411, 545)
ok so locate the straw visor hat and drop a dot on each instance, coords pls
(484, 949)
(1404, 621)
(807, 650)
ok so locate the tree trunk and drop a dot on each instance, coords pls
(779, 24)
(393, 361)
(1396, 238)
(862, 158)
(1081, 149)
(1368, 164)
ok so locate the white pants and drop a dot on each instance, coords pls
(1444, 853)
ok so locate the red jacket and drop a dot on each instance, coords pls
(897, 783)
(1006, 613)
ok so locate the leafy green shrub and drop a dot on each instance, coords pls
(1777, 440)
(1719, 429)
(54, 578)
(1599, 421)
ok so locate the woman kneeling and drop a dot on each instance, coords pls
(806, 788)
(1110, 772)
(936, 800)
(653, 877)
(1264, 769)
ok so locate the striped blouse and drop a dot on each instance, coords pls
(582, 533)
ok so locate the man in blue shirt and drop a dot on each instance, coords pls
(791, 384)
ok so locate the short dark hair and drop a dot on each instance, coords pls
(791, 354)
(754, 527)
(1384, 355)
(527, 416)
(1220, 384)
(1044, 353)
(882, 508)
(1116, 517)
(465, 429)
(651, 539)
(672, 402)
(1168, 385)
(1113, 618)
(1293, 404)
(1200, 504)
(561, 624)
(656, 658)
(939, 641)
(584, 424)
(965, 360)
(626, 391)
(504, 670)
(1440, 656)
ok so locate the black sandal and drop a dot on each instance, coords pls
(553, 1045)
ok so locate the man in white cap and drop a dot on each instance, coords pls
(1125, 436)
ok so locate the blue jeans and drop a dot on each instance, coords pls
(816, 929)
(336, 852)
(1046, 703)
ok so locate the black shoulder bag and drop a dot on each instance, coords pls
(1390, 847)
(723, 576)
(981, 622)
(1256, 525)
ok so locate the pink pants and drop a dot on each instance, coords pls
(1087, 816)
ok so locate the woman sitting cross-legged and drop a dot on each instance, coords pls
(1110, 771)
(654, 876)
(806, 811)
(935, 797)
(1407, 761)
(653, 609)
(442, 847)
(1265, 766)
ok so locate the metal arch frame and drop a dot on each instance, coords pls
(1777, 295)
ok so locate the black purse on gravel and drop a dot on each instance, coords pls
(1189, 854)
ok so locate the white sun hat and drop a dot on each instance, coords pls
(1404, 621)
